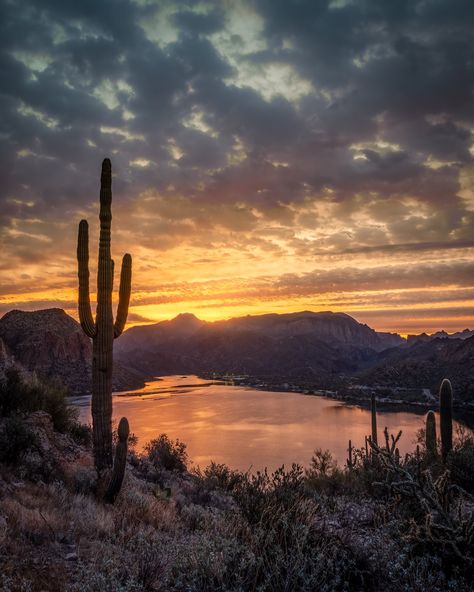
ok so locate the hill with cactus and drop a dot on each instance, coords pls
(52, 344)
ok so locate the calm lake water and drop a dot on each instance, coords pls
(247, 428)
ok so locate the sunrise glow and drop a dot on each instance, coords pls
(246, 179)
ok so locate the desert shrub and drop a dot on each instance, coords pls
(108, 578)
(257, 493)
(461, 465)
(81, 433)
(322, 464)
(165, 454)
(11, 387)
(323, 472)
(219, 476)
(25, 395)
(84, 480)
(15, 440)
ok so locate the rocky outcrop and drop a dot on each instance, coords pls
(51, 344)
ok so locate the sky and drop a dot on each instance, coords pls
(268, 155)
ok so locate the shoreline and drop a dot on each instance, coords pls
(361, 401)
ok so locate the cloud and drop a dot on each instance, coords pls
(262, 136)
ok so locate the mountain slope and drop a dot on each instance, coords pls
(424, 365)
(52, 344)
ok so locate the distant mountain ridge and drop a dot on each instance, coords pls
(424, 337)
(301, 344)
(327, 326)
(322, 349)
(52, 344)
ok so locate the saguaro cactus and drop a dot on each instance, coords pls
(103, 330)
(373, 409)
(430, 435)
(446, 417)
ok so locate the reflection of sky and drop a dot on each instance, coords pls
(243, 427)
(268, 156)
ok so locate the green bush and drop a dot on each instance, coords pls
(164, 454)
(19, 395)
(219, 476)
(15, 440)
(81, 433)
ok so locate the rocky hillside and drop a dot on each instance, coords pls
(305, 344)
(52, 344)
(424, 365)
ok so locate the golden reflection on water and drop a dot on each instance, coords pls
(245, 428)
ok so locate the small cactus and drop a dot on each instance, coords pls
(373, 409)
(350, 459)
(430, 435)
(446, 417)
(119, 462)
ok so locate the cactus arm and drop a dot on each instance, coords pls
(124, 295)
(119, 462)
(85, 312)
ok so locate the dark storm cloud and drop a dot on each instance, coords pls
(387, 110)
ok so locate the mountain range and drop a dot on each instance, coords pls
(318, 348)
(303, 344)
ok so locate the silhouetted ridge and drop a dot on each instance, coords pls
(294, 344)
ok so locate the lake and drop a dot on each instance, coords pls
(247, 428)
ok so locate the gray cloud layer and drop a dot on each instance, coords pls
(262, 117)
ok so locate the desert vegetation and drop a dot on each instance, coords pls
(379, 522)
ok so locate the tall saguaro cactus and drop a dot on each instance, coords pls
(446, 417)
(103, 330)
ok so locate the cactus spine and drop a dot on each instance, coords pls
(373, 409)
(446, 417)
(431, 435)
(102, 331)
